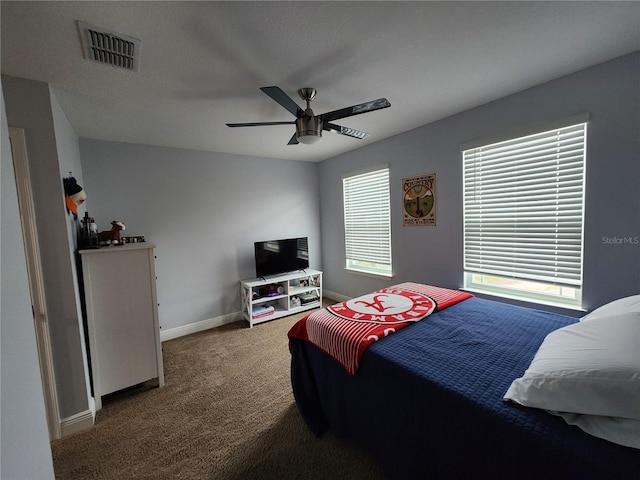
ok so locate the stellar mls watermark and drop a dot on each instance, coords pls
(621, 240)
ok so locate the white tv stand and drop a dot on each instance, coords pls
(276, 296)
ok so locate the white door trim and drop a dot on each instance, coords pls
(36, 282)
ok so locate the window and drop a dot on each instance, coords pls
(523, 216)
(367, 221)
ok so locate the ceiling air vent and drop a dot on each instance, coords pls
(109, 47)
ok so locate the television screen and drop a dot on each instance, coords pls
(281, 256)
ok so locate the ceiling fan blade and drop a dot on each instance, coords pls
(349, 132)
(294, 140)
(283, 99)
(355, 110)
(258, 124)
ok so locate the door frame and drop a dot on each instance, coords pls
(36, 282)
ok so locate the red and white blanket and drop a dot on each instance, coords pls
(344, 330)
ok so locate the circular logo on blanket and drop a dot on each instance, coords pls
(389, 305)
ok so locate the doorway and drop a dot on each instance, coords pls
(36, 283)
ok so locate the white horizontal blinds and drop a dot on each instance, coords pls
(523, 207)
(367, 217)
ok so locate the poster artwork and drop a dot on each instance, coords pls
(419, 200)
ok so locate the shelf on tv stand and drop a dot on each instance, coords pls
(287, 288)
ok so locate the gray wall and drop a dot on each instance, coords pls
(30, 105)
(609, 92)
(24, 436)
(68, 153)
(203, 211)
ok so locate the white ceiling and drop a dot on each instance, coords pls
(202, 63)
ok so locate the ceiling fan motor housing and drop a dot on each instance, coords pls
(308, 129)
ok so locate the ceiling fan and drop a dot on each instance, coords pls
(309, 127)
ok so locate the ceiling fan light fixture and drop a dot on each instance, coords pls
(309, 138)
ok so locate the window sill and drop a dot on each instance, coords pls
(369, 274)
(523, 299)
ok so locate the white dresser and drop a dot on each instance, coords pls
(122, 317)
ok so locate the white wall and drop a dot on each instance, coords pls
(204, 211)
(24, 438)
(609, 92)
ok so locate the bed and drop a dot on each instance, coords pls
(428, 401)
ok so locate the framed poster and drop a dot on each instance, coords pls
(419, 200)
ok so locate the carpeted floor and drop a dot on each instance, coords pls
(226, 412)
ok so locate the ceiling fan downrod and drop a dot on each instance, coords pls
(307, 94)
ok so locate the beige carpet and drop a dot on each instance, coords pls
(226, 412)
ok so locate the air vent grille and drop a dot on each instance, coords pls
(108, 47)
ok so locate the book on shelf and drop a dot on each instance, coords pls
(262, 311)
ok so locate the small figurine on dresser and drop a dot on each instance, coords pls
(112, 237)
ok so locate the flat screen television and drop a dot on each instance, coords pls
(281, 256)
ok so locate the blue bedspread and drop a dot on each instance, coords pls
(428, 401)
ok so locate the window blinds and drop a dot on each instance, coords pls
(523, 207)
(367, 218)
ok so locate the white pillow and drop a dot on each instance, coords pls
(622, 305)
(590, 368)
(623, 431)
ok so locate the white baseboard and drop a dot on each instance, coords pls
(335, 296)
(196, 327)
(183, 330)
(75, 423)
